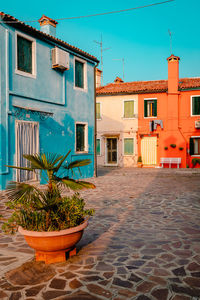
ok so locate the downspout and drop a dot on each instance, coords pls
(179, 128)
(7, 97)
(95, 125)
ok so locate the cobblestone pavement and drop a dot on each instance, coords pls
(143, 243)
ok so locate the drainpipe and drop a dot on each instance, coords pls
(7, 97)
(95, 124)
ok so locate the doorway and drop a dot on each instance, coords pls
(111, 151)
(27, 142)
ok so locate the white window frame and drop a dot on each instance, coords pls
(84, 89)
(19, 72)
(106, 152)
(36, 176)
(133, 146)
(195, 137)
(100, 111)
(100, 146)
(146, 99)
(191, 105)
(128, 100)
(86, 137)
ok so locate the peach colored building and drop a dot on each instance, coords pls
(117, 125)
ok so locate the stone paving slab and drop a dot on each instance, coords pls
(143, 243)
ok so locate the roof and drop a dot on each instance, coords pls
(44, 36)
(141, 87)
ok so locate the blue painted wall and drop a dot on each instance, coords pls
(51, 91)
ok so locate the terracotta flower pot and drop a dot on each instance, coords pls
(52, 246)
(140, 164)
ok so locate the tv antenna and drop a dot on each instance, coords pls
(102, 50)
(170, 36)
(122, 59)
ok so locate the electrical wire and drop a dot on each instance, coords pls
(99, 14)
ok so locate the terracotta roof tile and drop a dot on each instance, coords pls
(139, 87)
(27, 28)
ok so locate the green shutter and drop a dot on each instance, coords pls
(191, 146)
(98, 114)
(155, 108)
(196, 105)
(128, 146)
(24, 55)
(145, 108)
(98, 150)
(128, 109)
(80, 137)
(79, 74)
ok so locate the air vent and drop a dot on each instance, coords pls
(197, 124)
(60, 59)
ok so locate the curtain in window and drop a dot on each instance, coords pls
(98, 146)
(79, 74)
(24, 55)
(27, 142)
(128, 146)
(196, 105)
(80, 137)
(98, 115)
(128, 109)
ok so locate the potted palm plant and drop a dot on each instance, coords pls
(51, 223)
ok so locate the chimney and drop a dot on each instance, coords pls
(173, 74)
(98, 77)
(48, 25)
(118, 80)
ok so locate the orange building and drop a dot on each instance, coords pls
(169, 120)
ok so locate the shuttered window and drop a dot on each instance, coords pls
(98, 112)
(196, 105)
(98, 145)
(80, 137)
(128, 146)
(24, 55)
(195, 146)
(150, 108)
(129, 109)
(79, 74)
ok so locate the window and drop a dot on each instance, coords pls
(81, 137)
(129, 109)
(79, 74)
(128, 146)
(195, 105)
(98, 111)
(98, 147)
(25, 55)
(150, 108)
(195, 146)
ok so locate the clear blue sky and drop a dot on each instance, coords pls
(139, 36)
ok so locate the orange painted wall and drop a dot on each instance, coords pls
(178, 124)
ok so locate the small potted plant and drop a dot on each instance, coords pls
(166, 148)
(139, 162)
(51, 223)
(173, 145)
(195, 161)
(181, 148)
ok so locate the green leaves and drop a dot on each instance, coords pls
(44, 209)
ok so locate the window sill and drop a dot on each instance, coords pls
(195, 115)
(132, 118)
(80, 89)
(18, 72)
(81, 152)
(126, 155)
(99, 119)
(150, 117)
(195, 155)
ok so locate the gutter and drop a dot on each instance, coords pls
(95, 124)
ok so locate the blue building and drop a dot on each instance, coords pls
(47, 97)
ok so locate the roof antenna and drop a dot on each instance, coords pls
(101, 46)
(170, 36)
(122, 65)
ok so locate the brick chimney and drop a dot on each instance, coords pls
(98, 77)
(48, 25)
(118, 80)
(173, 74)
